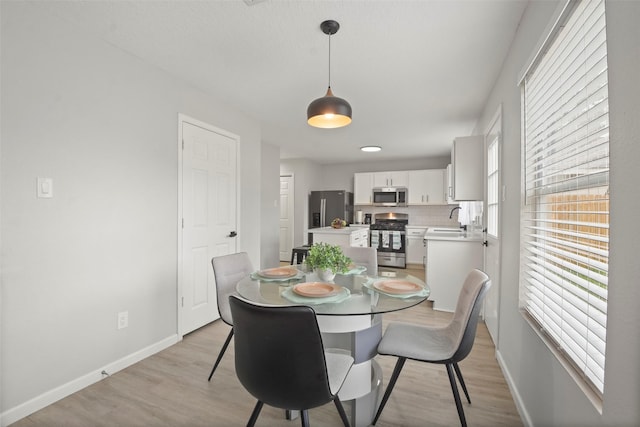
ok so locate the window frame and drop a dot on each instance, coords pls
(591, 389)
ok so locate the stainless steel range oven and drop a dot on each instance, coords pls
(388, 236)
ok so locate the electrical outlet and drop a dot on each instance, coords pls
(123, 319)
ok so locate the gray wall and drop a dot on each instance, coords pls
(546, 394)
(103, 125)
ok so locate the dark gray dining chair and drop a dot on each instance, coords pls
(281, 361)
(446, 345)
(228, 270)
(366, 256)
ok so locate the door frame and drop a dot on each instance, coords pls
(293, 210)
(496, 121)
(182, 118)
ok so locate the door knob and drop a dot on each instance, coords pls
(232, 234)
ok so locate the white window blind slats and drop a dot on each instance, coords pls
(565, 218)
(568, 327)
(542, 235)
(555, 272)
(551, 101)
(569, 43)
(558, 254)
(561, 324)
(550, 93)
(573, 65)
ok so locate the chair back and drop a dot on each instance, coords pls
(366, 256)
(228, 270)
(279, 355)
(465, 318)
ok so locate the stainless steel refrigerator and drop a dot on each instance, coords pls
(325, 206)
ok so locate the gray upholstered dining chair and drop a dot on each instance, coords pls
(366, 256)
(281, 361)
(446, 345)
(228, 270)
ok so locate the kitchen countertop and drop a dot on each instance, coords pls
(465, 236)
(343, 230)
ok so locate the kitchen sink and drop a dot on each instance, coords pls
(446, 234)
(445, 230)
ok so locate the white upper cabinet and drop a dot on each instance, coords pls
(391, 179)
(449, 184)
(467, 164)
(427, 187)
(363, 188)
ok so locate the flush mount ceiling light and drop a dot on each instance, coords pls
(370, 148)
(329, 111)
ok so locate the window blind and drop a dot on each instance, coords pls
(565, 216)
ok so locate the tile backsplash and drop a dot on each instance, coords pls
(436, 215)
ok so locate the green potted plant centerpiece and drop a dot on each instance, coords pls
(327, 260)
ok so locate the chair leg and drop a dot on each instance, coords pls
(343, 415)
(304, 418)
(224, 348)
(254, 414)
(392, 383)
(456, 395)
(464, 386)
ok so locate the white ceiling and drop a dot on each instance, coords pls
(416, 73)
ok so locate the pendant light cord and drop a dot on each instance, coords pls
(329, 60)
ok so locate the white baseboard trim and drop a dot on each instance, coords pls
(45, 399)
(524, 415)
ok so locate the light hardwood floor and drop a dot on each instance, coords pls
(171, 389)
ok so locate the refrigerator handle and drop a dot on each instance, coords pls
(323, 207)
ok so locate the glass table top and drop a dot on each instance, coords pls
(345, 295)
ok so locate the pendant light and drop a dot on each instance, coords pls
(329, 111)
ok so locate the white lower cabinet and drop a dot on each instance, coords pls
(360, 238)
(448, 263)
(349, 236)
(415, 244)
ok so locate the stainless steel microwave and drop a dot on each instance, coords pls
(390, 196)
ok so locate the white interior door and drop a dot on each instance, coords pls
(286, 217)
(492, 209)
(209, 223)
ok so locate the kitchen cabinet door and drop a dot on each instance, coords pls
(448, 263)
(416, 251)
(449, 184)
(427, 187)
(467, 162)
(363, 188)
(360, 238)
(391, 179)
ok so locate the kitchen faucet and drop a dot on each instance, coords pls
(452, 210)
(451, 216)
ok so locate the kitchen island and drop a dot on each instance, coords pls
(451, 254)
(353, 235)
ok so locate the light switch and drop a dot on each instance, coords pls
(45, 188)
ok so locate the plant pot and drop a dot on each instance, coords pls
(325, 274)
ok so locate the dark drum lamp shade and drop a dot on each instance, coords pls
(329, 111)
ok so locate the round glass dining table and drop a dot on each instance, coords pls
(349, 311)
(357, 294)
